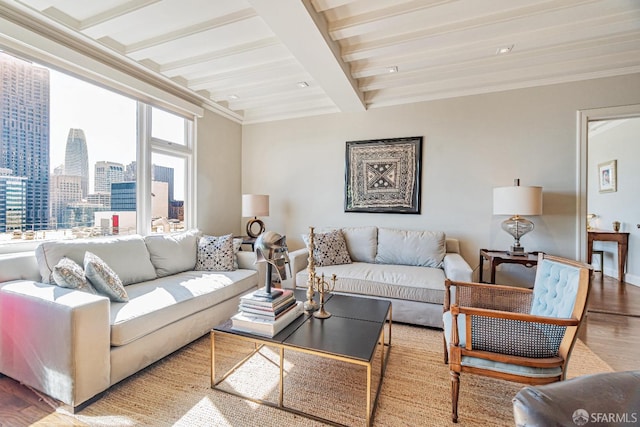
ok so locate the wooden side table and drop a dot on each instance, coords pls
(495, 258)
(621, 238)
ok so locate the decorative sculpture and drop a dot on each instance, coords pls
(310, 304)
(324, 287)
(271, 248)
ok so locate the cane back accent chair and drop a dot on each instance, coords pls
(515, 334)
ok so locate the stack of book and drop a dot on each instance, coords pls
(265, 316)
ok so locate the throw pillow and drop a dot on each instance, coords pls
(68, 274)
(330, 248)
(237, 244)
(215, 253)
(104, 279)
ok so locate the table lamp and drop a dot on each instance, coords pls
(515, 201)
(255, 205)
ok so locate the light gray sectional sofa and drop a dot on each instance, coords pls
(406, 267)
(73, 345)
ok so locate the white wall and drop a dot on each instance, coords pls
(620, 143)
(471, 145)
(218, 181)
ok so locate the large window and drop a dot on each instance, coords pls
(79, 160)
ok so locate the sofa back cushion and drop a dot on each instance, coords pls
(408, 247)
(127, 256)
(173, 253)
(362, 243)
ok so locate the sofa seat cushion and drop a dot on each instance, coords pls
(160, 302)
(411, 283)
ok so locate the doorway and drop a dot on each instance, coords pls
(609, 177)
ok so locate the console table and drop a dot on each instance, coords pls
(621, 238)
(496, 258)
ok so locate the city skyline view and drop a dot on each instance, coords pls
(60, 132)
(69, 109)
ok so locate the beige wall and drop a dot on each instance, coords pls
(218, 180)
(471, 145)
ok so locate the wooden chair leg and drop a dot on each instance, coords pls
(446, 350)
(455, 390)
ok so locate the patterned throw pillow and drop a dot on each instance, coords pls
(104, 279)
(330, 248)
(68, 274)
(215, 253)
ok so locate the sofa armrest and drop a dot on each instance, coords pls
(299, 259)
(456, 268)
(55, 340)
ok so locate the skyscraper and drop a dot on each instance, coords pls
(107, 173)
(13, 201)
(65, 189)
(76, 158)
(24, 142)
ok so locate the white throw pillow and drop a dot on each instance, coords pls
(68, 274)
(407, 247)
(104, 279)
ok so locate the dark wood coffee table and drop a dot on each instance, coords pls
(352, 334)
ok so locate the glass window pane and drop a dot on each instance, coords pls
(71, 166)
(168, 189)
(167, 126)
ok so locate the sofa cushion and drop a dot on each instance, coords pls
(362, 243)
(388, 281)
(103, 278)
(68, 274)
(158, 303)
(407, 247)
(173, 253)
(215, 253)
(126, 255)
(330, 248)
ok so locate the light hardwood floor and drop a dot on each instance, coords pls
(612, 324)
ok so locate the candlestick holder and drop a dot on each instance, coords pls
(324, 287)
(310, 304)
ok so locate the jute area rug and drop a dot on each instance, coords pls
(415, 390)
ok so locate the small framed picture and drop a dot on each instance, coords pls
(607, 177)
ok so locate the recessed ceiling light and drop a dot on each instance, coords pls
(233, 97)
(302, 84)
(393, 69)
(504, 49)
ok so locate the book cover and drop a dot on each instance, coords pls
(251, 299)
(254, 325)
(267, 310)
(267, 314)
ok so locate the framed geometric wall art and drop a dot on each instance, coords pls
(383, 175)
(607, 177)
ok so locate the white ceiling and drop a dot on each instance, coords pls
(249, 56)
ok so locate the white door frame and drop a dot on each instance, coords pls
(583, 119)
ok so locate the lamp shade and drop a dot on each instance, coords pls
(517, 200)
(255, 205)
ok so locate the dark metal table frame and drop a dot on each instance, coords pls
(283, 341)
